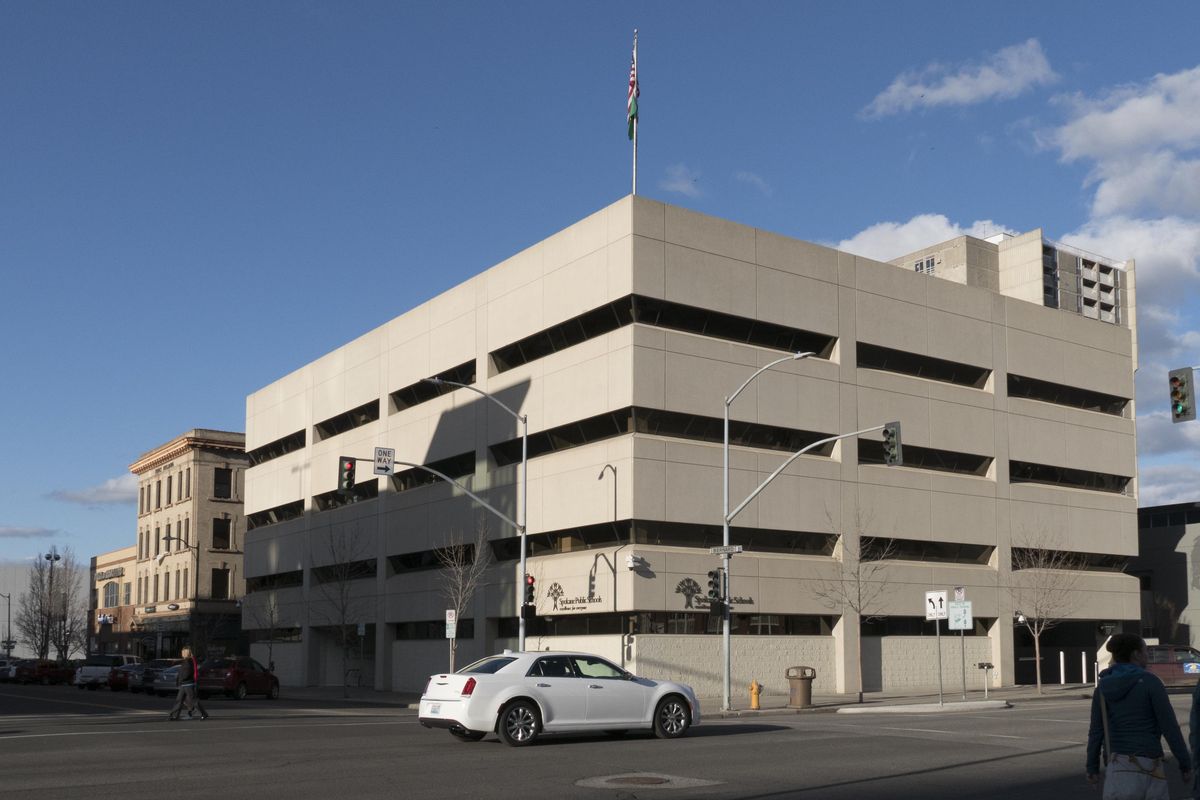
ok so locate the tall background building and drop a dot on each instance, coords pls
(190, 539)
(1009, 363)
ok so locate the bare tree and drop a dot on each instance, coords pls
(33, 610)
(342, 607)
(1166, 617)
(266, 617)
(463, 566)
(861, 583)
(68, 609)
(1042, 588)
(52, 612)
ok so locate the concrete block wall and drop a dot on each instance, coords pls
(900, 663)
(288, 658)
(698, 661)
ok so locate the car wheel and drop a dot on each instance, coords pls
(240, 692)
(672, 718)
(273, 692)
(519, 723)
(464, 735)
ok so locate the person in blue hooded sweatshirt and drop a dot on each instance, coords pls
(1139, 715)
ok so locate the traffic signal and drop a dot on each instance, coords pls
(714, 586)
(1183, 401)
(530, 590)
(893, 450)
(346, 474)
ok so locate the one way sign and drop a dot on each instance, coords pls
(935, 605)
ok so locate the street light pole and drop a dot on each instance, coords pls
(522, 528)
(726, 614)
(195, 598)
(52, 556)
(8, 631)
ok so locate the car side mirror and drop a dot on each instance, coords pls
(627, 675)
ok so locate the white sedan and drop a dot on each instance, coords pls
(521, 695)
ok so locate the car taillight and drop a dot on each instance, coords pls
(468, 687)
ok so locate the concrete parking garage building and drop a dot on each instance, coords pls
(1008, 361)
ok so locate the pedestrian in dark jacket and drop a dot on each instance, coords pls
(185, 679)
(1194, 737)
(1138, 714)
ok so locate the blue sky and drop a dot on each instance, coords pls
(193, 197)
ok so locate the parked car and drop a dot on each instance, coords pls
(119, 677)
(94, 671)
(522, 695)
(237, 677)
(164, 681)
(5, 665)
(1174, 664)
(32, 670)
(142, 676)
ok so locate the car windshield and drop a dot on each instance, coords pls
(487, 666)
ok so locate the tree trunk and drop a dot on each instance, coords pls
(1037, 659)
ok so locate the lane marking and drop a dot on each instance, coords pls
(159, 731)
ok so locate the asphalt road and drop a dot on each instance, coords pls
(58, 742)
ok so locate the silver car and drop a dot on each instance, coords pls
(164, 682)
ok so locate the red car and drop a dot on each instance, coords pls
(237, 677)
(119, 679)
(43, 672)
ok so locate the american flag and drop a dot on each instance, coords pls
(631, 104)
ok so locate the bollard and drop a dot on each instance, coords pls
(755, 691)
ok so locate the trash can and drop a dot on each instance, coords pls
(800, 680)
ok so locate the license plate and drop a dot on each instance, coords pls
(435, 708)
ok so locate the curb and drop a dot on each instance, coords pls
(930, 708)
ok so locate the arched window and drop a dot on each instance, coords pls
(112, 597)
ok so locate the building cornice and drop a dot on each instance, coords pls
(192, 440)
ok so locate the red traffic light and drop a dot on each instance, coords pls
(529, 581)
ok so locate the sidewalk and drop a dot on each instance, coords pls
(920, 701)
(772, 704)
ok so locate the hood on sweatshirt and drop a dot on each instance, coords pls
(1118, 680)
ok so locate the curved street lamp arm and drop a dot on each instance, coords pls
(466, 491)
(480, 392)
(794, 357)
(793, 457)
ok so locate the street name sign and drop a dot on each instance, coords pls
(959, 615)
(384, 460)
(723, 549)
(935, 605)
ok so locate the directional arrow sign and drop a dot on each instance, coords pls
(384, 456)
(935, 605)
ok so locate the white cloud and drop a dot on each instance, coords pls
(1164, 484)
(1162, 113)
(884, 241)
(1004, 74)
(113, 491)
(681, 180)
(18, 532)
(754, 180)
(1141, 140)
(1158, 436)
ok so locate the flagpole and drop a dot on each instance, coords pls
(635, 119)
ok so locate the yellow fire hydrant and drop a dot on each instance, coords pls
(755, 691)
